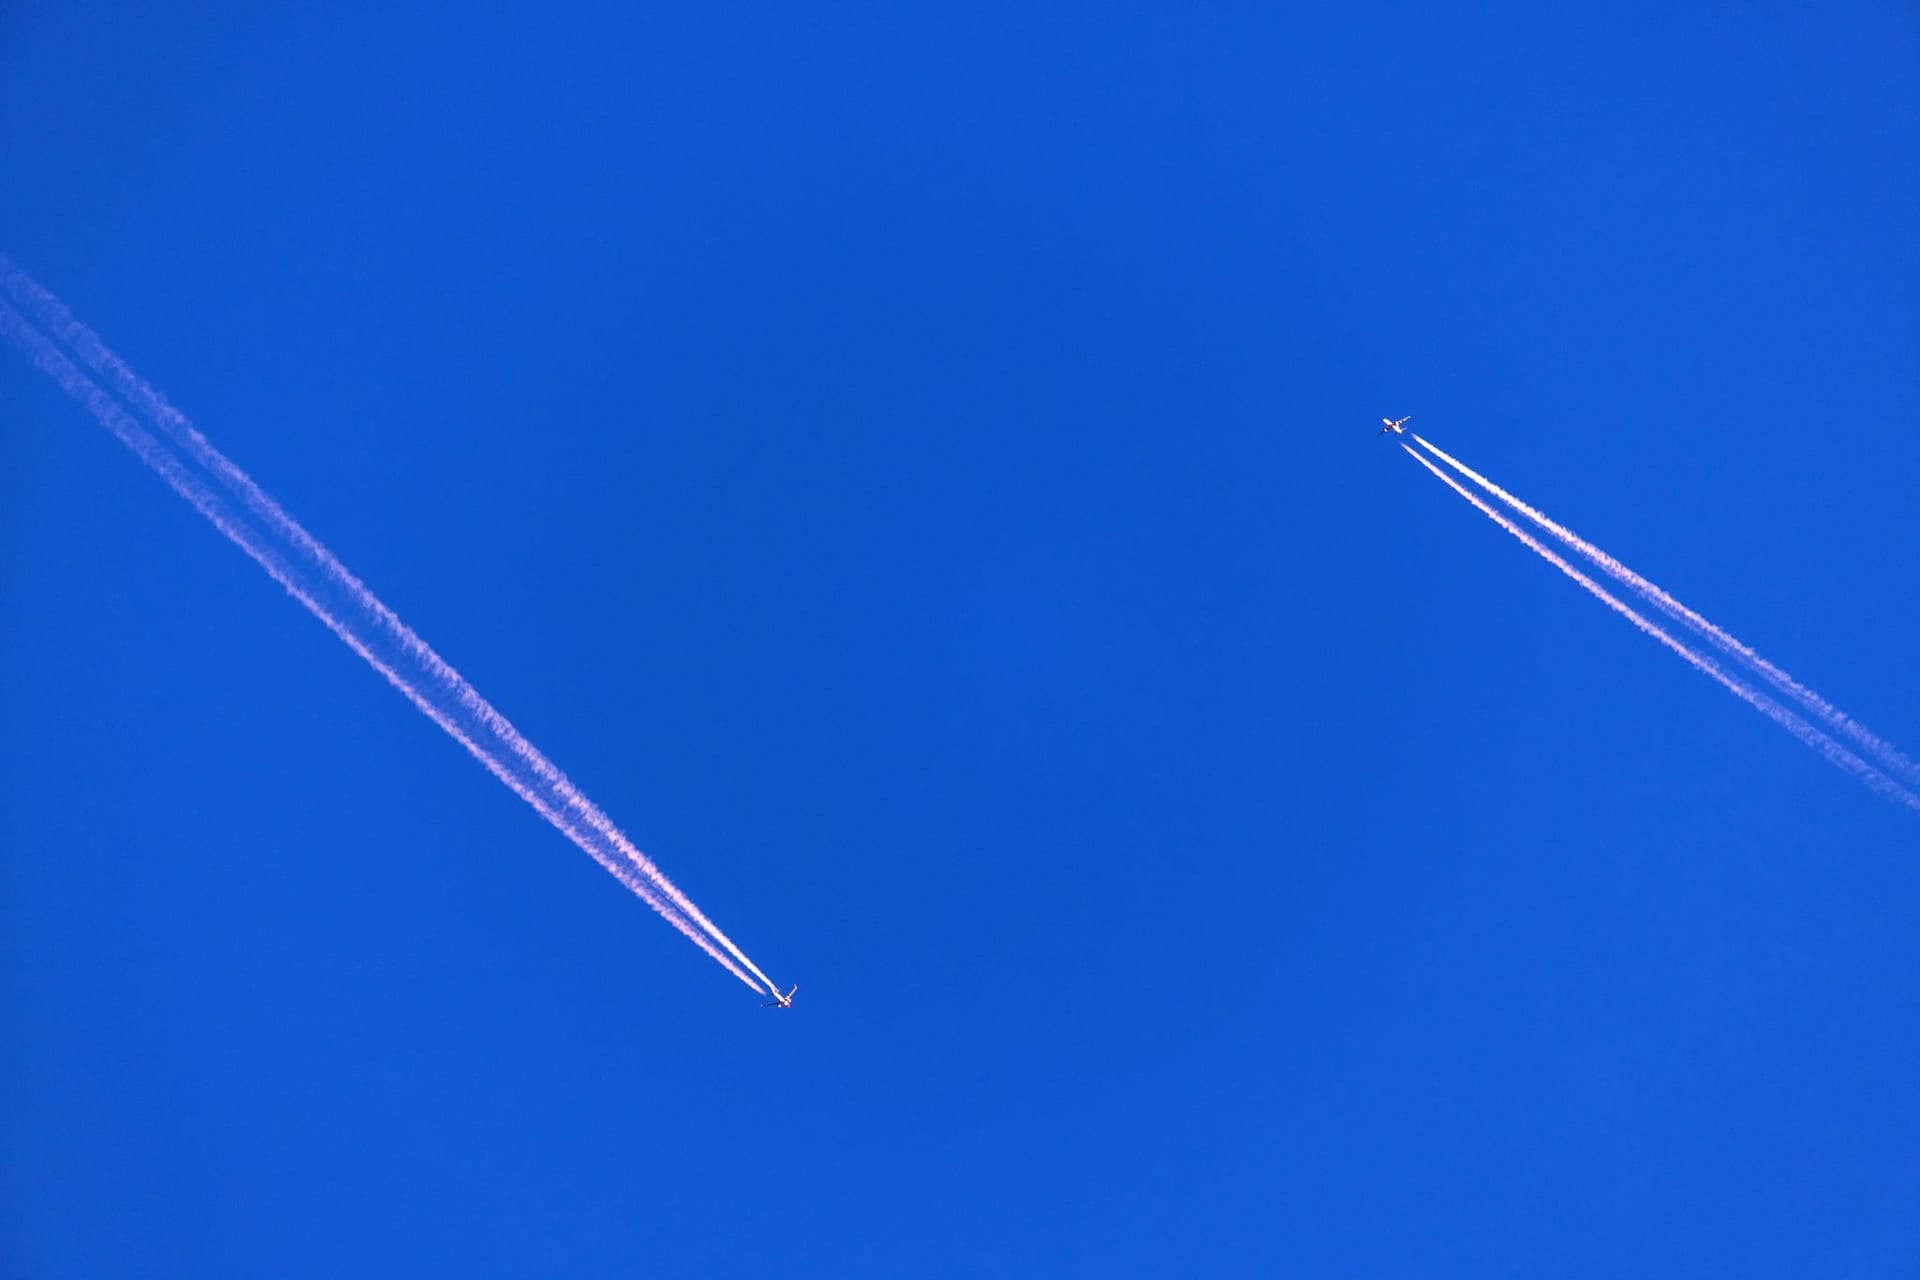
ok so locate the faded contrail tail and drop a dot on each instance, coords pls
(1885, 752)
(469, 720)
(1762, 703)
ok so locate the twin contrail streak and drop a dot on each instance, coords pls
(267, 534)
(1888, 756)
(1755, 698)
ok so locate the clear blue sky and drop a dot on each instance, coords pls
(913, 469)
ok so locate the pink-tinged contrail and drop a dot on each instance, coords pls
(1765, 705)
(55, 315)
(555, 806)
(1884, 752)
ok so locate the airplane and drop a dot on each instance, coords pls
(782, 1001)
(1397, 426)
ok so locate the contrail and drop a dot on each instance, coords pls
(55, 315)
(1888, 755)
(568, 814)
(1765, 705)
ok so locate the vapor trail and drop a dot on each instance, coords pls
(55, 315)
(258, 545)
(1766, 706)
(1888, 755)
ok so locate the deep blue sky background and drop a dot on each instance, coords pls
(915, 471)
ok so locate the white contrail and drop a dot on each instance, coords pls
(55, 315)
(1888, 755)
(1762, 703)
(258, 546)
